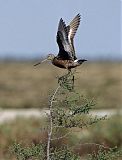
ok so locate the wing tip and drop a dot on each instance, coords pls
(61, 20)
(79, 16)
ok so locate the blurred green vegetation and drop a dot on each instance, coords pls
(31, 131)
(24, 86)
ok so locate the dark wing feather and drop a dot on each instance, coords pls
(63, 41)
(72, 29)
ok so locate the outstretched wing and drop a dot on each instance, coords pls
(72, 29)
(63, 41)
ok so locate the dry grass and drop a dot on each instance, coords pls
(24, 86)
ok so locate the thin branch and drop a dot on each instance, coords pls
(86, 144)
(57, 138)
(51, 123)
(59, 126)
(96, 144)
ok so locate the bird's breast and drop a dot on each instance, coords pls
(67, 64)
(59, 63)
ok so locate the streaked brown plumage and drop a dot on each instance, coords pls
(66, 57)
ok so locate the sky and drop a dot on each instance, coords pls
(28, 27)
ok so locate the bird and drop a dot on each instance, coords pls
(66, 57)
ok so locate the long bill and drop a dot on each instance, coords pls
(40, 62)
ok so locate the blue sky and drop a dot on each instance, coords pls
(28, 27)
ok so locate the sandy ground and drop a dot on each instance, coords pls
(11, 114)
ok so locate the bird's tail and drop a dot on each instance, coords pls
(80, 61)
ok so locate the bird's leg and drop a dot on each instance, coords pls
(73, 79)
(73, 75)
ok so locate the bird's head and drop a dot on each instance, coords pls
(50, 57)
